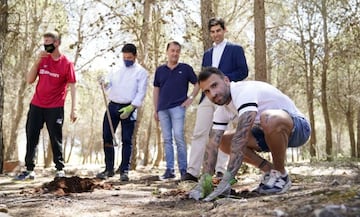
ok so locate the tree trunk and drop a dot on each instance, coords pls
(207, 11)
(310, 100)
(148, 136)
(260, 41)
(358, 133)
(142, 58)
(160, 150)
(134, 139)
(350, 126)
(23, 66)
(324, 98)
(309, 79)
(3, 32)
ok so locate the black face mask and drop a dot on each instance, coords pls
(49, 48)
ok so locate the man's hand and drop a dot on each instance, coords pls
(126, 111)
(73, 116)
(203, 188)
(43, 54)
(224, 187)
(103, 81)
(188, 102)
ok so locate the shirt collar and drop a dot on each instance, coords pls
(223, 43)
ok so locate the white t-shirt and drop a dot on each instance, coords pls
(252, 96)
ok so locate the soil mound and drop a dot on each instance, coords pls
(74, 184)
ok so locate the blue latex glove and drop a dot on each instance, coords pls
(126, 111)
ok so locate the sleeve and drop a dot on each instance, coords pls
(71, 73)
(240, 69)
(141, 88)
(246, 101)
(156, 82)
(221, 118)
(207, 59)
(192, 75)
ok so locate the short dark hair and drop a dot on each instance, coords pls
(208, 71)
(173, 42)
(129, 48)
(216, 21)
(52, 34)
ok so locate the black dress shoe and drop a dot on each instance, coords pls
(105, 174)
(188, 177)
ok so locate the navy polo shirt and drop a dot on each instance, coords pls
(173, 84)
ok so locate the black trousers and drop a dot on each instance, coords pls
(127, 131)
(53, 118)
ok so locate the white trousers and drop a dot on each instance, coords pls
(203, 125)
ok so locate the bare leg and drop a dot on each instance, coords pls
(250, 156)
(277, 126)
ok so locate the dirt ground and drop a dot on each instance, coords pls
(321, 189)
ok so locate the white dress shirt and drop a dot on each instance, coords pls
(128, 85)
(217, 53)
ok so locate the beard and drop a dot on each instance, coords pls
(222, 99)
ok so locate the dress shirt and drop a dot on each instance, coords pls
(128, 85)
(217, 53)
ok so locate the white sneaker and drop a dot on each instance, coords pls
(26, 175)
(59, 173)
(264, 179)
(276, 184)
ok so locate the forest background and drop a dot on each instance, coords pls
(308, 49)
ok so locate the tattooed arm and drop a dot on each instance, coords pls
(239, 141)
(211, 151)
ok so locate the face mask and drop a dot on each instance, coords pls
(49, 48)
(128, 63)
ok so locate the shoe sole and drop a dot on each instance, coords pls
(283, 190)
(23, 180)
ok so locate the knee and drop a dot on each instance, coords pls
(276, 121)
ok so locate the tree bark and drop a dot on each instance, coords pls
(3, 32)
(309, 77)
(350, 126)
(358, 133)
(146, 149)
(310, 100)
(324, 98)
(142, 58)
(260, 41)
(22, 65)
(160, 150)
(207, 12)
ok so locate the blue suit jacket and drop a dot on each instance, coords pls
(232, 63)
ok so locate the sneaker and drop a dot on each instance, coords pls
(188, 177)
(124, 177)
(219, 175)
(59, 173)
(105, 174)
(26, 175)
(169, 174)
(276, 184)
(264, 179)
